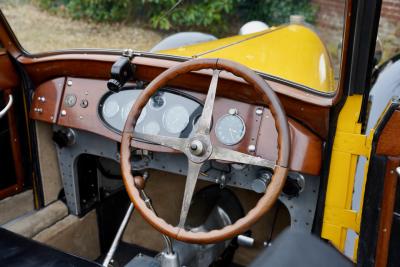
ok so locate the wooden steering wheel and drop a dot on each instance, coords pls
(198, 149)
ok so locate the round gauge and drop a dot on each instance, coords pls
(152, 128)
(176, 119)
(127, 108)
(157, 101)
(230, 129)
(110, 109)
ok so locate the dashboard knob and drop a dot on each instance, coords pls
(114, 85)
(64, 137)
(259, 185)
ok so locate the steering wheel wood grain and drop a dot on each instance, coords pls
(198, 149)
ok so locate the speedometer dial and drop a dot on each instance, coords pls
(176, 119)
(230, 129)
(110, 108)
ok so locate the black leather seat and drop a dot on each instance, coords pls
(300, 249)
(18, 251)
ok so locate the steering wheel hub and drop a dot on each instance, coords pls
(197, 148)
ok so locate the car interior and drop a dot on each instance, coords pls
(203, 158)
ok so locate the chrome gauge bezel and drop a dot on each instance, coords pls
(241, 136)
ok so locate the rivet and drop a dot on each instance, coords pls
(81, 117)
(63, 112)
(259, 111)
(251, 148)
(69, 83)
(84, 103)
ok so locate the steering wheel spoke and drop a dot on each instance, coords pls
(204, 123)
(193, 174)
(167, 141)
(225, 154)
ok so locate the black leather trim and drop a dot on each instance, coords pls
(18, 251)
(300, 249)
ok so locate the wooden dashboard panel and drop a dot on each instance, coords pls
(309, 108)
(46, 100)
(260, 130)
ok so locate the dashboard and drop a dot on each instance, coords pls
(86, 104)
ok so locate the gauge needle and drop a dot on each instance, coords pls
(230, 131)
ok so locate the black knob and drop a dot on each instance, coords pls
(121, 71)
(64, 137)
(114, 85)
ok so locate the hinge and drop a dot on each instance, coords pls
(343, 217)
(356, 144)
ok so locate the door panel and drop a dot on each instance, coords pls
(379, 239)
(11, 163)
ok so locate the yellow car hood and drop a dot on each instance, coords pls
(292, 52)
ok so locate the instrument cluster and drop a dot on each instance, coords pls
(168, 113)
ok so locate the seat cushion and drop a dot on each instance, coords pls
(300, 249)
(18, 251)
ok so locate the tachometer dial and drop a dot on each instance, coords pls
(176, 119)
(127, 108)
(230, 129)
(152, 128)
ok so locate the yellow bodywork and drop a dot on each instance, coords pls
(292, 52)
(348, 145)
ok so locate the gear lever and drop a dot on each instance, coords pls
(117, 237)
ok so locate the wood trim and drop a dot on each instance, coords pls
(306, 155)
(8, 76)
(310, 110)
(386, 145)
(386, 214)
(16, 152)
(46, 101)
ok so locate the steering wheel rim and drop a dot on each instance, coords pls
(133, 185)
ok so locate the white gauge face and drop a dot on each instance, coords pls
(127, 108)
(152, 128)
(176, 119)
(230, 129)
(110, 109)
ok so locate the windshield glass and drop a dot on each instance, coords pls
(294, 40)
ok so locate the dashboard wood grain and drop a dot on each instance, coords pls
(260, 130)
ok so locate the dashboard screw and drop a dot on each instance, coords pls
(69, 83)
(259, 111)
(84, 103)
(63, 113)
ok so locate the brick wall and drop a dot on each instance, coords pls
(330, 21)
